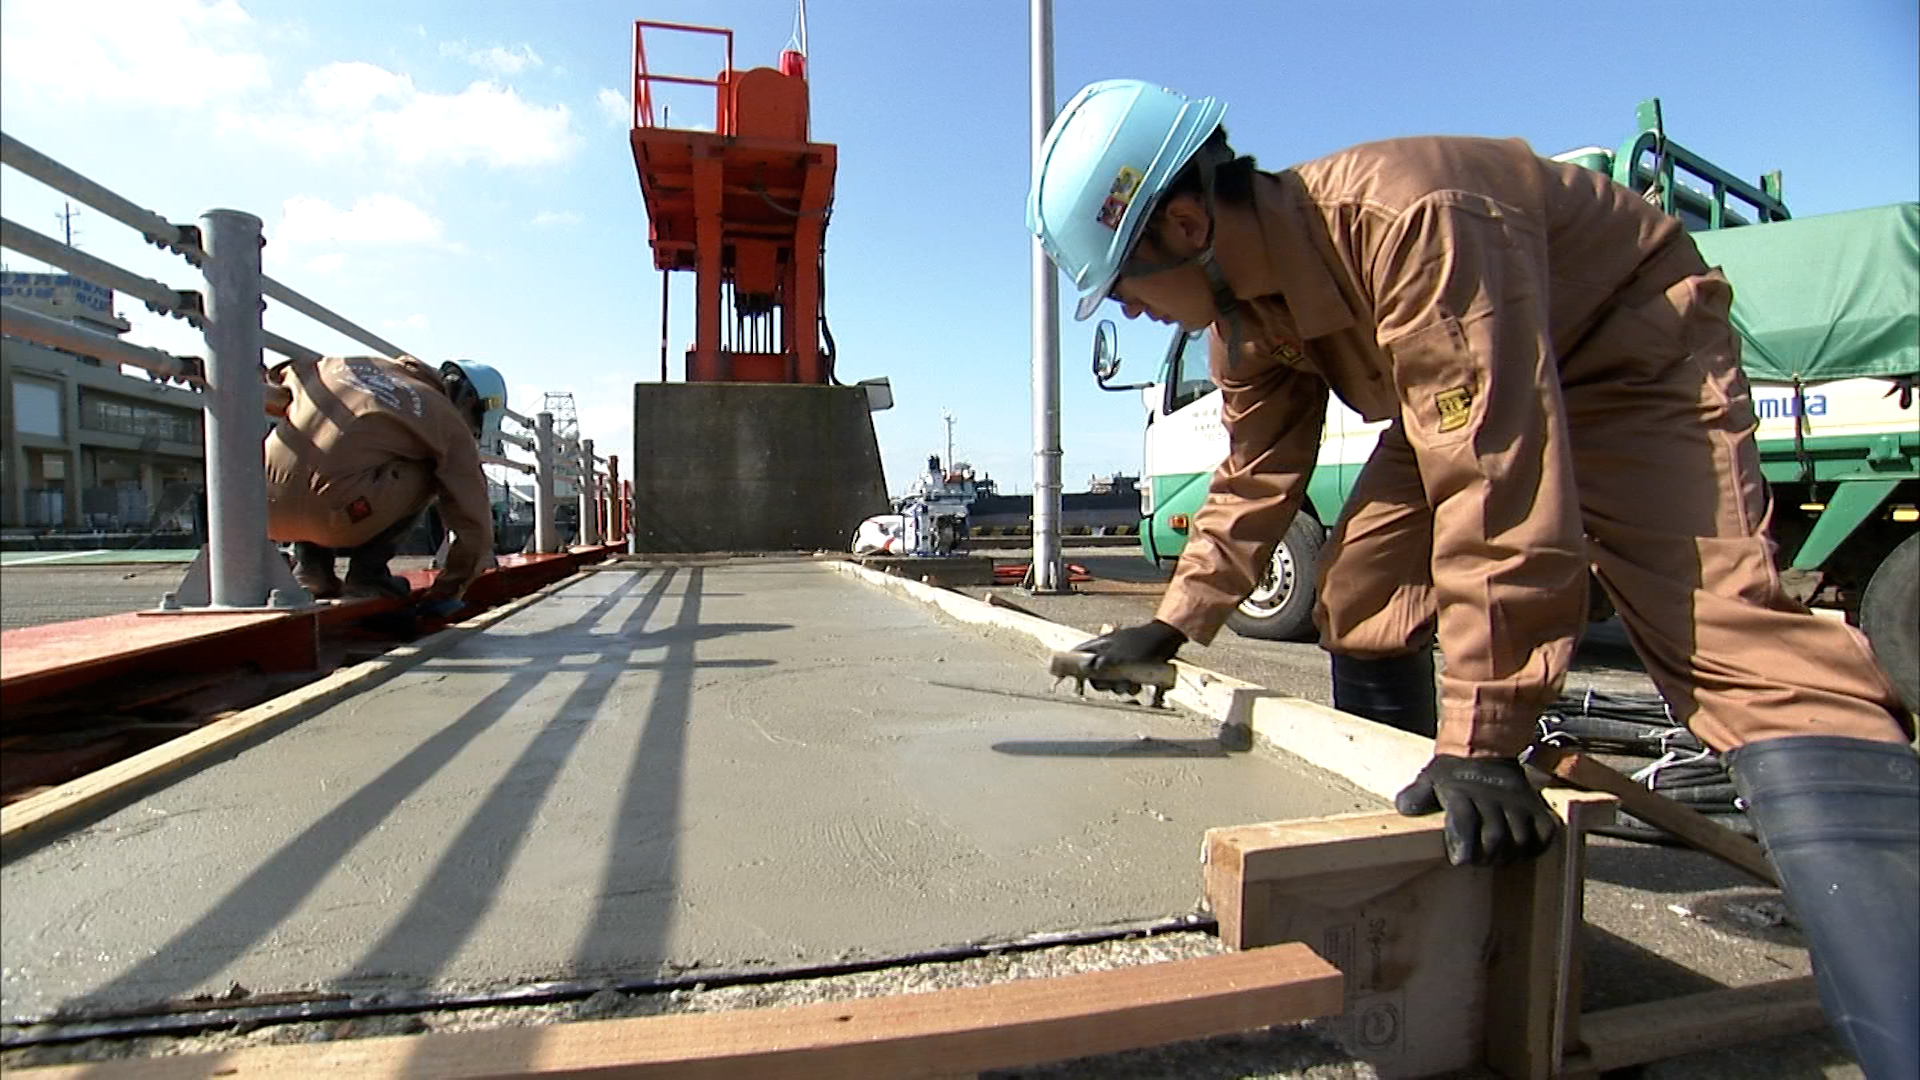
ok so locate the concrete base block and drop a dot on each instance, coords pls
(947, 571)
(752, 467)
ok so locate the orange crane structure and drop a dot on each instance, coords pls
(760, 448)
(744, 206)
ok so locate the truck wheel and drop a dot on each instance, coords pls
(1890, 617)
(1280, 608)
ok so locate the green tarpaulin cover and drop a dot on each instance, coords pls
(1829, 297)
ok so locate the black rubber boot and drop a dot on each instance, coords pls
(313, 569)
(1396, 690)
(367, 571)
(1841, 821)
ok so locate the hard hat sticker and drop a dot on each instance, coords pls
(1126, 183)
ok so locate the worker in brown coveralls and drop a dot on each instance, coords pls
(362, 445)
(1565, 391)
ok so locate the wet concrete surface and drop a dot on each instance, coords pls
(732, 766)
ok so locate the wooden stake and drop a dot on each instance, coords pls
(1691, 826)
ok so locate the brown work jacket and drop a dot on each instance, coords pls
(366, 441)
(1394, 273)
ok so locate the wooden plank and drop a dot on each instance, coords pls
(1532, 980)
(1655, 1030)
(1446, 967)
(1691, 826)
(1284, 850)
(21, 821)
(938, 1033)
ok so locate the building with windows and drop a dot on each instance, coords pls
(83, 446)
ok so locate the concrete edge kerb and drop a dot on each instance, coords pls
(1376, 759)
(68, 802)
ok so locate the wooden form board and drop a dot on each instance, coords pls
(1447, 968)
(940, 1033)
(1637, 1034)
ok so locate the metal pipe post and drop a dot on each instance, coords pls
(589, 526)
(237, 547)
(1048, 575)
(626, 503)
(616, 513)
(546, 540)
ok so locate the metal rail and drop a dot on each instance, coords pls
(225, 245)
(158, 295)
(508, 463)
(68, 337)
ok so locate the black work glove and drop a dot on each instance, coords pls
(1494, 815)
(1150, 642)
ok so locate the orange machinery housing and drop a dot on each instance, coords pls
(744, 206)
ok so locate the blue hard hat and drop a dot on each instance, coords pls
(1111, 153)
(489, 394)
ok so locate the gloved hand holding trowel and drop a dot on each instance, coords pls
(1124, 661)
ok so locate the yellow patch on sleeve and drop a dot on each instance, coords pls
(1454, 405)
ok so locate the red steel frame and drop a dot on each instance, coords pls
(715, 197)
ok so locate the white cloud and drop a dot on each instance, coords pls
(375, 221)
(359, 107)
(493, 58)
(330, 263)
(615, 107)
(157, 53)
(415, 321)
(556, 217)
(353, 87)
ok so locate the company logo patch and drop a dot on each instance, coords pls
(1454, 405)
(359, 510)
(1126, 184)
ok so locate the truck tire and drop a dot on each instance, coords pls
(1890, 617)
(1280, 608)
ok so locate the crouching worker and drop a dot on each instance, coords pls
(361, 446)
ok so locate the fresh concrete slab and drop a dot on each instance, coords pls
(725, 765)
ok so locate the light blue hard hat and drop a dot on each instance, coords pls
(1111, 153)
(475, 385)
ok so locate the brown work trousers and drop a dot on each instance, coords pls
(1655, 416)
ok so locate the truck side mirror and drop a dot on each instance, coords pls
(1106, 358)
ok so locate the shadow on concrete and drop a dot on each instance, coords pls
(443, 915)
(450, 905)
(1143, 747)
(1618, 972)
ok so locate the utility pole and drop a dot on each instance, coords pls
(948, 417)
(1048, 574)
(66, 217)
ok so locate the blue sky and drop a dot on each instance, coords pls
(451, 175)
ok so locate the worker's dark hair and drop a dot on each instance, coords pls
(1232, 173)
